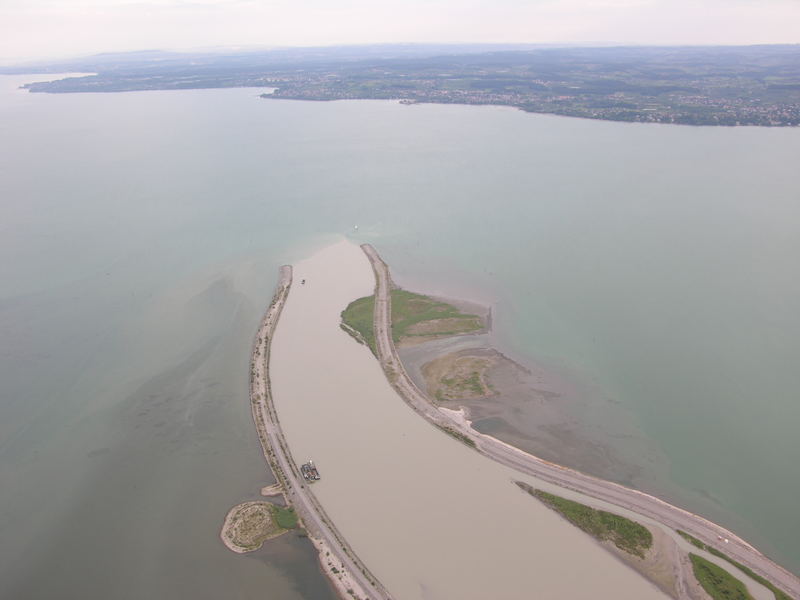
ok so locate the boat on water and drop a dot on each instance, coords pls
(309, 471)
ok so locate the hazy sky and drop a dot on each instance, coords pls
(56, 28)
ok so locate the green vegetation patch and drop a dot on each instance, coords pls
(286, 518)
(458, 376)
(717, 582)
(692, 540)
(413, 315)
(458, 435)
(626, 535)
(410, 311)
(472, 383)
(779, 595)
(357, 320)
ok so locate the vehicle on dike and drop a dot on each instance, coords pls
(309, 471)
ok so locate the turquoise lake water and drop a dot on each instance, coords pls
(140, 235)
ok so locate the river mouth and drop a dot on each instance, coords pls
(430, 517)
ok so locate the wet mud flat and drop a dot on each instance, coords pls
(542, 411)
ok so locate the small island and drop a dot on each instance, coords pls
(248, 525)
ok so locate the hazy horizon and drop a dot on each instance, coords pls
(57, 29)
(463, 45)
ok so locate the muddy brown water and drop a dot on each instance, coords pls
(430, 517)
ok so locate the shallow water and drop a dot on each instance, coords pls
(125, 429)
(430, 517)
(549, 415)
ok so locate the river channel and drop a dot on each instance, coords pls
(430, 517)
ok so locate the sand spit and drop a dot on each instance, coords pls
(431, 518)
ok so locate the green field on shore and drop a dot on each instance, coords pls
(717, 582)
(779, 595)
(357, 320)
(625, 534)
(413, 315)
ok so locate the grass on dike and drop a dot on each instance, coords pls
(408, 309)
(717, 582)
(779, 595)
(458, 435)
(625, 534)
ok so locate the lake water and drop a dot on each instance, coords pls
(140, 236)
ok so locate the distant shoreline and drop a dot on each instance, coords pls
(715, 86)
